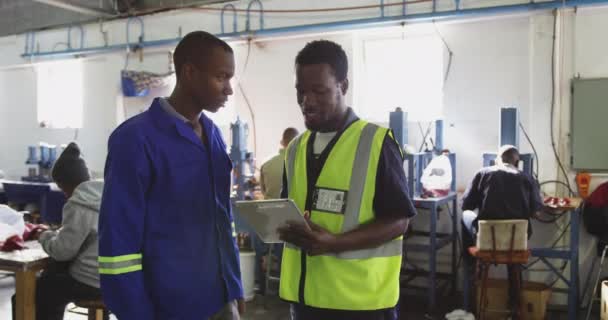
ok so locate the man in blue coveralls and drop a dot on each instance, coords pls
(166, 234)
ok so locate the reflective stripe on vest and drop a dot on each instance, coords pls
(364, 279)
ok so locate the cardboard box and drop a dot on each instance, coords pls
(535, 298)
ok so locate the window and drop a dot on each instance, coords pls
(406, 73)
(60, 94)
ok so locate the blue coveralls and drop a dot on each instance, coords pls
(167, 246)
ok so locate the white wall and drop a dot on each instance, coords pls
(497, 62)
(19, 118)
(269, 84)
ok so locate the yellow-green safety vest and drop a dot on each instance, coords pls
(365, 279)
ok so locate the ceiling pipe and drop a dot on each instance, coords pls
(77, 8)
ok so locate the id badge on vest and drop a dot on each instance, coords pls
(329, 200)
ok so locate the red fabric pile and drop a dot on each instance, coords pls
(18, 242)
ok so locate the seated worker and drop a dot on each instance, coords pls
(499, 192)
(74, 244)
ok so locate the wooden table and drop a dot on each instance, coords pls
(25, 264)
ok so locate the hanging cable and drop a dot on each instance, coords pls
(255, 143)
(557, 182)
(553, 89)
(450, 54)
(533, 150)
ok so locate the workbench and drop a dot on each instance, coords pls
(436, 240)
(25, 264)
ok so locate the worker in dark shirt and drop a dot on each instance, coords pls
(499, 192)
(347, 174)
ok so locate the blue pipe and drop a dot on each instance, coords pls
(382, 8)
(27, 42)
(102, 49)
(32, 41)
(247, 23)
(418, 17)
(233, 17)
(439, 136)
(349, 24)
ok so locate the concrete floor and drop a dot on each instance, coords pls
(271, 308)
(7, 289)
(260, 308)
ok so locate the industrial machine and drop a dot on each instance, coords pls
(429, 240)
(416, 161)
(243, 187)
(509, 134)
(40, 164)
(243, 180)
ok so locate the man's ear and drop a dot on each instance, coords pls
(187, 71)
(344, 86)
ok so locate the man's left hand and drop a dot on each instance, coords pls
(312, 238)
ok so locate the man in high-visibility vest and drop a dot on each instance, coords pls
(347, 175)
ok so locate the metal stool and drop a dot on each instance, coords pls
(486, 258)
(96, 309)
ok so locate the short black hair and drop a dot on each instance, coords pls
(510, 156)
(289, 134)
(70, 169)
(325, 51)
(194, 45)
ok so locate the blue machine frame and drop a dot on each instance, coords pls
(436, 240)
(526, 158)
(48, 156)
(509, 134)
(397, 121)
(241, 158)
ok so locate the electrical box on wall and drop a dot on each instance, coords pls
(589, 124)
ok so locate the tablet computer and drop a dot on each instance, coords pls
(265, 216)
